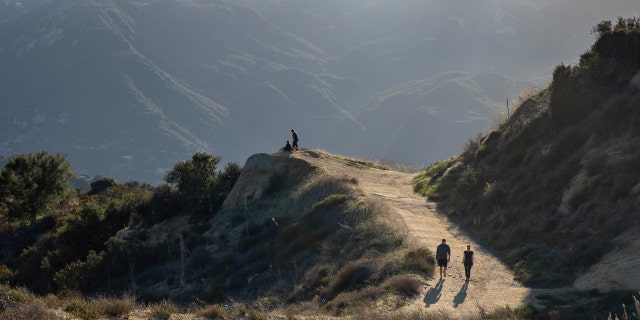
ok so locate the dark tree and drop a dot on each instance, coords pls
(33, 184)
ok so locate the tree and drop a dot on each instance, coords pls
(32, 184)
(195, 179)
(199, 185)
(101, 186)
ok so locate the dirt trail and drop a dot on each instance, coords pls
(491, 286)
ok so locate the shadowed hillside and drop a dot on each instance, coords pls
(556, 188)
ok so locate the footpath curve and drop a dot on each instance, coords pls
(491, 286)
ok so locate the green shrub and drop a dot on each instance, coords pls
(330, 201)
(101, 186)
(427, 183)
(34, 183)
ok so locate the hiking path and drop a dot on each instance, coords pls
(491, 286)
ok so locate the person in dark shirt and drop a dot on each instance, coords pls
(443, 255)
(287, 147)
(467, 260)
(294, 136)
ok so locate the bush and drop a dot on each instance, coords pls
(351, 276)
(163, 310)
(214, 311)
(421, 260)
(101, 186)
(81, 309)
(115, 307)
(29, 311)
(11, 297)
(5, 274)
(404, 285)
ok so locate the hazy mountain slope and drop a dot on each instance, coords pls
(439, 113)
(150, 82)
(521, 39)
(126, 88)
(93, 95)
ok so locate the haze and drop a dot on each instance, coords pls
(127, 88)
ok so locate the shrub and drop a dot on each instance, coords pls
(214, 311)
(352, 275)
(516, 313)
(320, 276)
(115, 307)
(101, 186)
(29, 311)
(5, 274)
(81, 309)
(10, 296)
(404, 285)
(163, 310)
(421, 260)
(164, 205)
(427, 183)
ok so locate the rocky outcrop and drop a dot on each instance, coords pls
(260, 172)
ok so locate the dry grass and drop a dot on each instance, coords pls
(81, 308)
(214, 311)
(30, 311)
(373, 162)
(404, 285)
(625, 315)
(114, 307)
(420, 259)
(163, 310)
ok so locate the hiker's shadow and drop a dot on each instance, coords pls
(461, 296)
(434, 294)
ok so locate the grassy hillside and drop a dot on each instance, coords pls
(307, 242)
(554, 186)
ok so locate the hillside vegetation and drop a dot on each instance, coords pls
(557, 185)
(288, 237)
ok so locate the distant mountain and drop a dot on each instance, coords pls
(429, 119)
(127, 88)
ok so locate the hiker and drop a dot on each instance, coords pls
(287, 147)
(467, 260)
(294, 135)
(443, 255)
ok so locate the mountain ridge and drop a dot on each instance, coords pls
(126, 88)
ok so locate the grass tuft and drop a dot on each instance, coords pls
(163, 310)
